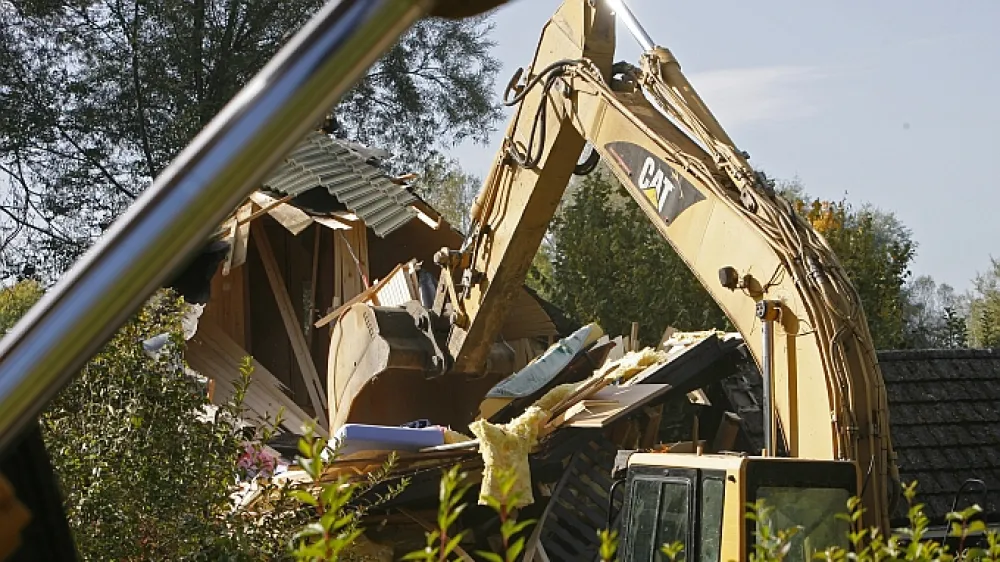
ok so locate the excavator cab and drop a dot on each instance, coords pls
(702, 502)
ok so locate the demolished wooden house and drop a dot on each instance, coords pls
(329, 231)
(328, 227)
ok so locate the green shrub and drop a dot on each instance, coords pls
(146, 468)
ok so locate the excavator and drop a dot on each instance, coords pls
(827, 429)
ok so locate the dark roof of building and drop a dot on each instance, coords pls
(944, 410)
(944, 414)
(348, 172)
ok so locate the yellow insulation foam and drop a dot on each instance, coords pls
(505, 447)
(633, 363)
(686, 338)
(451, 436)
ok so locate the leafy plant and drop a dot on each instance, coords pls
(147, 466)
(442, 542)
(510, 527)
(334, 509)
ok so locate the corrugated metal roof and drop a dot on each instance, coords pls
(320, 161)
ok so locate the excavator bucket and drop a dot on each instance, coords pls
(386, 367)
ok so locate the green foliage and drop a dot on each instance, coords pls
(431, 90)
(335, 529)
(334, 510)
(15, 302)
(937, 318)
(984, 308)
(608, 544)
(442, 542)
(449, 190)
(673, 551)
(145, 465)
(512, 545)
(610, 265)
(604, 242)
(875, 250)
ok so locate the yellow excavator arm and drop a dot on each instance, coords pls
(774, 276)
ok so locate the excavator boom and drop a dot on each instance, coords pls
(772, 273)
(775, 277)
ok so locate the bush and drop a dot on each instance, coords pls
(146, 466)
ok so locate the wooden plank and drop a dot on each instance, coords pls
(299, 346)
(396, 288)
(294, 220)
(226, 308)
(652, 430)
(260, 212)
(311, 305)
(629, 398)
(213, 354)
(241, 235)
(579, 408)
(583, 391)
(338, 285)
(356, 299)
(362, 241)
(331, 223)
(725, 436)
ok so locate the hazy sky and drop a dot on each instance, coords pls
(893, 102)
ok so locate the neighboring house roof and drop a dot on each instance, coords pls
(944, 414)
(343, 169)
(944, 410)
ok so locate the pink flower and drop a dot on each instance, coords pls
(255, 462)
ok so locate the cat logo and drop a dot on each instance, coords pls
(661, 184)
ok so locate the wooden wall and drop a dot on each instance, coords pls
(227, 304)
(244, 307)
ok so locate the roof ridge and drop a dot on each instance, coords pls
(925, 354)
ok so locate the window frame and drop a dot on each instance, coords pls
(693, 479)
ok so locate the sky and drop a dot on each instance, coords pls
(892, 103)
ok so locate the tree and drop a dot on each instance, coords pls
(449, 189)
(145, 464)
(876, 251)
(99, 96)
(604, 242)
(610, 265)
(984, 308)
(935, 316)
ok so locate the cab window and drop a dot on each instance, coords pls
(710, 525)
(659, 514)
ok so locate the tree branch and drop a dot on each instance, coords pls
(37, 228)
(99, 166)
(139, 103)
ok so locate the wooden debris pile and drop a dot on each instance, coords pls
(586, 387)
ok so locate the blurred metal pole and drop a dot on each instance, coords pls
(625, 15)
(182, 207)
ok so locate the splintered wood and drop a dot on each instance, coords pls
(213, 354)
(395, 289)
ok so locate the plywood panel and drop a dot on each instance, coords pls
(324, 300)
(226, 307)
(213, 354)
(351, 247)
